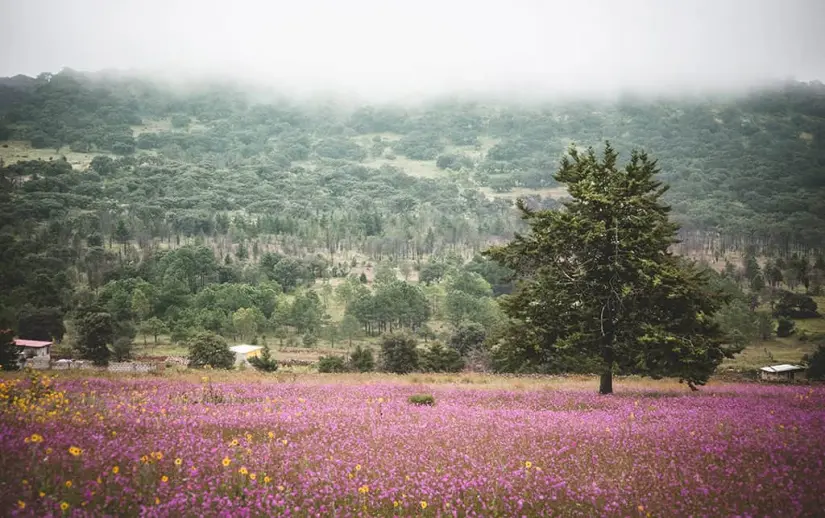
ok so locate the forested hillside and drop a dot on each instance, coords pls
(172, 209)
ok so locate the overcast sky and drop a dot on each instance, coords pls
(427, 46)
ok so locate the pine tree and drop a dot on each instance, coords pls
(597, 279)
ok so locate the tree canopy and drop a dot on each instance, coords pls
(597, 279)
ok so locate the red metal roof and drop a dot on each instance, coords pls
(30, 343)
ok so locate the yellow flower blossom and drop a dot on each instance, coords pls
(234, 442)
(395, 503)
(157, 501)
(253, 476)
(21, 504)
(423, 504)
(271, 435)
(75, 451)
(280, 488)
(36, 438)
(284, 441)
(357, 467)
(641, 508)
(528, 464)
(64, 506)
(116, 470)
(41, 494)
(364, 489)
(267, 480)
(164, 478)
(243, 471)
(178, 461)
(68, 484)
(226, 461)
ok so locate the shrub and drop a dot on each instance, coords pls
(8, 351)
(399, 354)
(468, 337)
(207, 348)
(795, 305)
(309, 340)
(328, 364)
(816, 364)
(421, 400)
(265, 362)
(785, 327)
(122, 349)
(438, 358)
(362, 359)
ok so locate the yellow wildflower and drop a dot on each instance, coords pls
(42, 494)
(528, 464)
(641, 508)
(116, 470)
(280, 488)
(267, 480)
(271, 435)
(234, 442)
(21, 504)
(157, 501)
(364, 489)
(164, 478)
(253, 476)
(284, 441)
(36, 437)
(423, 504)
(243, 471)
(75, 451)
(226, 461)
(158, 455)
(69, 484)
(178, 461)
(49, 451)
(395, 503)
(64, 506)
(357, 467)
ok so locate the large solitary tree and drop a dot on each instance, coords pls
(596, 280)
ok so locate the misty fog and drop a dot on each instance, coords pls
(401, 49)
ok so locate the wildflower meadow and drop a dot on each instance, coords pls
(157, 446)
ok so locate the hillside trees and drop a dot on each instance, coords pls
(597, 279)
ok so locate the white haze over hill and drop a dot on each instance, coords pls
(385, 49)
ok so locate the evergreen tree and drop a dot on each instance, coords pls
(8, 351)
(597, 279)
(95, 330)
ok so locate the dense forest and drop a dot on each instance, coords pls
(172, 210)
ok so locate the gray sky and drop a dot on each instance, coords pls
(386, 47)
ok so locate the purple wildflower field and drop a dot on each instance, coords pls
(170, 447)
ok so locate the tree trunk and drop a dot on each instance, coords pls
(606, 380)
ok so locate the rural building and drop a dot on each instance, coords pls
(784, 372)
(244, 352)
(33, 348)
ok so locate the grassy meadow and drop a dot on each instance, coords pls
(248, 444)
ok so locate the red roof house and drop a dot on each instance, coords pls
(33, 348)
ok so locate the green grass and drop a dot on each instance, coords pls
(13, 151)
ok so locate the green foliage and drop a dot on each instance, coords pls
(247, 321)
(8, 351)
(206, 348)
(816, 364)
(795, 305)
(597, 279)
(329, 364)
(468, 337)
(41, 324)
(95, 330)
(399, 354)
(785, 327)
(122, 349)
(362, 359)
(265, 362)
(437, 358)
(421, 400)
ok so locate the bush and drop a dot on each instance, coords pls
(438, 358)
(207, 348)
(399, 354)
(421, 400)
(8, 351)
(468, 337)
(309, 340)
(328, 364)
(816, 364)
(795, 305)
(265, 362)
(122, 349)
(362, 359)
(785, 327)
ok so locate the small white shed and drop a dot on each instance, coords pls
(244, 352)
(784, 372)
